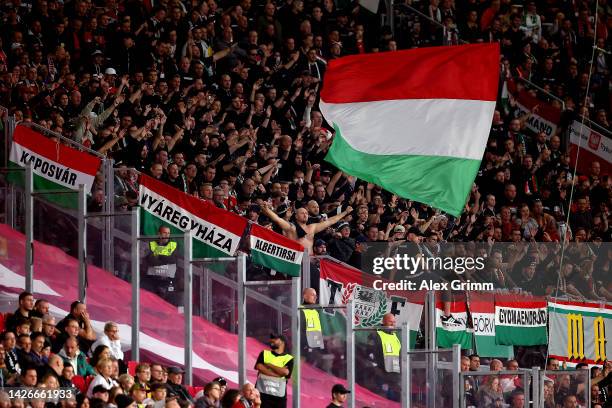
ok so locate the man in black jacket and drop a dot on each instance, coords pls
(175, 389)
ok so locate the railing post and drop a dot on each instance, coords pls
(82, 242)
(296, 339)
(535, 385)
(456, 371)
(306, 269)
(135, 352)
(242, 349)
(108, 255)
(405, 366)
(29, 228)
(188, 306)
(350, 353)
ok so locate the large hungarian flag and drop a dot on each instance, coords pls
(482, 311)
(415, 122)
(453, 330)
(55, 165)
(216, 232)
(275, 251)
(520, 320)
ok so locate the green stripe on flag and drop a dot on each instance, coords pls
(272, 262)
(487, 347)
(41, 184)
(523, 336)
(150, 227)
(420, 178)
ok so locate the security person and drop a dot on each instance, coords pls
(161, 262)
(385, 353)
(389, 345)
(312, 335)
(275, 367)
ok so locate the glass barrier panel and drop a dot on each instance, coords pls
(566, 388)
(494, 389)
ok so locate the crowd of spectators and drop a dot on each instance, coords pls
(38, 352)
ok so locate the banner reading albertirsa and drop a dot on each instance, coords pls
(55, 165)
(216, 232)
(578, 331)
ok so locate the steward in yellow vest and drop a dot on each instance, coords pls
(387, 346)
(275, 367)
(160, 264)
(312, 335)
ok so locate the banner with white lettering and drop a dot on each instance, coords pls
(593, 147)
(520, 320)
(216, 232)
(545, 119)
(578, 331)
(340, 283)
(275, 251)
(55, 165)
(482, 311)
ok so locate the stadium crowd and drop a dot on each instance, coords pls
(220, 100)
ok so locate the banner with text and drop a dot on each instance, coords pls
(545, 119)
(593, 147)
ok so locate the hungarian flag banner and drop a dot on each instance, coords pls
(275, 251)
(578, 331)
(55, 165)
(216, 232)
(520, 320)
(452, 329)
(482, 312)
(415, 122)
(340, 283)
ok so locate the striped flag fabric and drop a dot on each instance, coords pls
(275, 251)
(415, 122)
(453, 330)
(216, 232)
(55, 165)
(482, 311)
(520, 321)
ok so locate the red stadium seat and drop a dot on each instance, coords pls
(79, 382)
(132, 367)
(194, 390)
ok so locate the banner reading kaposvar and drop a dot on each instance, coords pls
(340, 283)
(216, 232)
(545, 119)
(55, 165)
(593, 147)
(578, 331)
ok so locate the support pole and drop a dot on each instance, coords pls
(536, 382)
(188, 306)
(306, 270)
(350, 353)
(405, 366)
(108, 250)
(82, 233)
(29, 228)
(456, 371)
(135, 351)
(296, 339)
(242, 349)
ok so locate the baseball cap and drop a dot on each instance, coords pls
(415, 231)
(175, 370)
(138, 387)
(97, 52)
(360, 239)
(99, 388)
(220, 380)
(340, 389)
(274, 336)
(319, 242)
(399, 228)
(123, 401)
(342, 225)
(110, 71)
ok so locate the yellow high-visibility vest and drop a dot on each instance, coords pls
(391, 347)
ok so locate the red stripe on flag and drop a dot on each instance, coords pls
(456, 72)
(56, 151)
(202, 209)
(278, 239)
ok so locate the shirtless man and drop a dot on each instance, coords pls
(300, 231)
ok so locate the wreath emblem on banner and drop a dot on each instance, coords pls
(370, 304)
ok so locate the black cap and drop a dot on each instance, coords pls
(99, 388)
(123, 401)
(340, 389)
(415, 231)
(175, 370)
(221, 381)
(274, 336)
